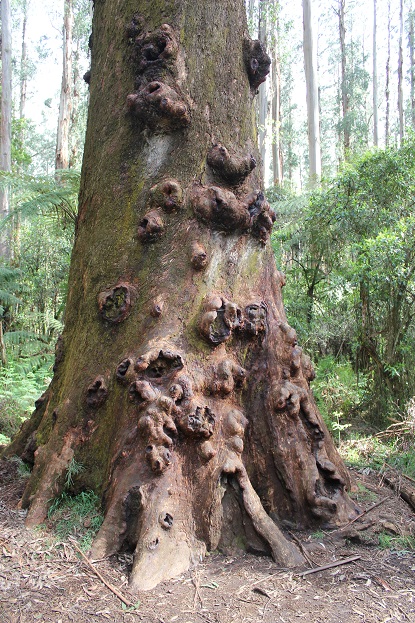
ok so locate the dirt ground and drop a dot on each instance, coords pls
(42, 580)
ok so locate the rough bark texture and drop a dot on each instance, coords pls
(178, 383)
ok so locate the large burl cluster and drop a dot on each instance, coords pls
(157, 101)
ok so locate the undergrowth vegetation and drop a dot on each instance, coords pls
(76, 516)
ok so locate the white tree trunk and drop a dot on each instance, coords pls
(400, 74)
(387, 87)
(375, 80)
(6, 117)
(313, 116)
(65, 106)
(263, 90)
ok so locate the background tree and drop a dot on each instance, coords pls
(189, 406)
(65, 105)
(6, 118)
(313, 116)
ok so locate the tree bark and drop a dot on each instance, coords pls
(400, 75)
(263, 90)
(345, 96)
(411, 41)
(277, 163)
(375, 81)
(313, 115)
(6, 119)
(65, 104)
(178, 384)
(387, 86)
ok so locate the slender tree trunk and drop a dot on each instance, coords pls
(411, 41)
(400, 74)
(313, 115)
(23, 66)
(277, 168)
(345, 96)
(65, 105)
(277, 165)
(263, 89)
(375, 80)
(178, 383)
(387, 86)
(74, 146)
(6, 119)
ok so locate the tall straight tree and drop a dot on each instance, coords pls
(375, 79)
(6, 117)
(65, 104)
(387, 84)
(344, 88)
(313, 115)
(179, 385)
(400, 74)
(277, 165)
(263, 90)
(411, 43)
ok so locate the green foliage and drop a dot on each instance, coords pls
(404, 543)
(369, 451)
(349, 251)
(74, 468)
(77, 516)
(21, 383)
(338, 392)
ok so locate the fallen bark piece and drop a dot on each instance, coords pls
(332, 565)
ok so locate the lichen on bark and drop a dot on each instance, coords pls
(179, 385)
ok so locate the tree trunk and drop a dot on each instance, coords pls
(263, 92)
(277, 168)
(65, 105)
(411, 41)
(313, 116)
(375, 80)
(387, 87)
(400, 75)
(6, 120)
(23, 67)
(345, 97)
(179, 385)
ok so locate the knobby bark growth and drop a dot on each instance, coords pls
(179, 385)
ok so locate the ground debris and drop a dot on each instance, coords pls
(41, 578)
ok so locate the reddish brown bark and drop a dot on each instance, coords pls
(179, 385)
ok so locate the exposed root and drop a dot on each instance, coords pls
(283, 552)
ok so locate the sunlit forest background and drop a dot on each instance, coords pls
(336, 121)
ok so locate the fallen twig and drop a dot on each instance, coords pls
(196, 584)
(363, 514)
(103, 580)
(302, 548)
(240, 590)
(337, 563)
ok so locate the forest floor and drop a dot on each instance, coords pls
(43, 580)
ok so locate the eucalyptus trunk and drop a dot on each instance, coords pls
(179, 386)
(6, 120)
(313, 114)
(65, 104)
